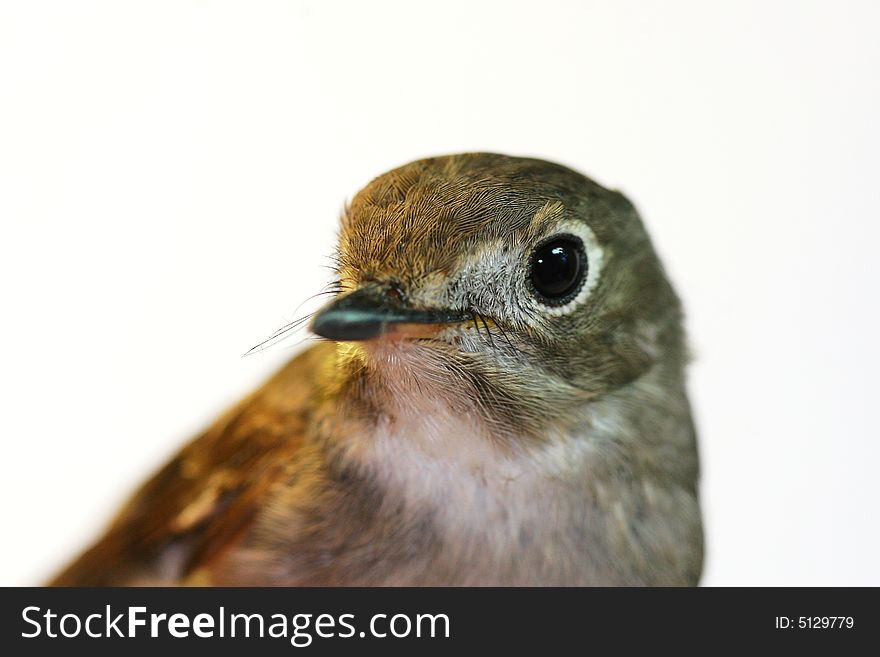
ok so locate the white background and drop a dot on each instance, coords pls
(171, 174)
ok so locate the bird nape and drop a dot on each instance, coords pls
(499, 399)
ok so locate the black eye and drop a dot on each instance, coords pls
(558, 269)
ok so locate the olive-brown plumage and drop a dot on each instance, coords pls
(500, 401)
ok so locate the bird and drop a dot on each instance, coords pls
(496, 396)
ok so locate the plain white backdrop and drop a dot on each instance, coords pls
(171, 174)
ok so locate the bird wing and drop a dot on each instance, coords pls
(205, 499)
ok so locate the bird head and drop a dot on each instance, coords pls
(514, 283)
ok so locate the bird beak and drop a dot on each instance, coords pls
(373, 312)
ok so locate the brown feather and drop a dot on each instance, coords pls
(198, 505)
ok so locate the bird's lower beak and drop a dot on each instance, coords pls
(373, 312)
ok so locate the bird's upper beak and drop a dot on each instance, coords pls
(374, 311)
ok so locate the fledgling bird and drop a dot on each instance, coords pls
(500, 400)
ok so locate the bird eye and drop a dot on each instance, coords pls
(557, 269)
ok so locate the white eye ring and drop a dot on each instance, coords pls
(594, 267)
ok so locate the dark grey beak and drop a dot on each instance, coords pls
(373, 311)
